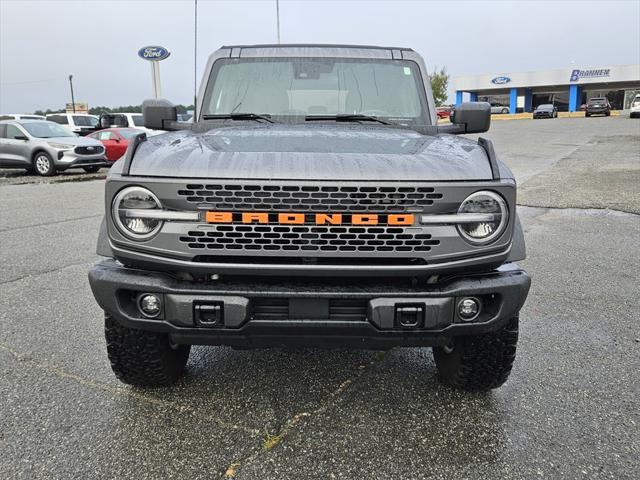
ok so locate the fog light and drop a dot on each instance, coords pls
(150, 305)
(468, 309)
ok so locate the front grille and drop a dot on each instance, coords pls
(316, 198)
(308, 238)
(340, 309)
(89, 150)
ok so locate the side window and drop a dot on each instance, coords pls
(3, 130)
(61, 119)
(13, 132)
(105, 136)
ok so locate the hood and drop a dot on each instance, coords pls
(73, 140)
(311, 151)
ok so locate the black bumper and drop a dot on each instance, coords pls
(348, 312)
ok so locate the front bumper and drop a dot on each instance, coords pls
(70, 159)
(346, 312)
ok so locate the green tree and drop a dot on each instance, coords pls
(439, 85)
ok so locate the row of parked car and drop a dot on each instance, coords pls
(60, 141)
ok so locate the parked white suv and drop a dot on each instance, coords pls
(635, 107)
(20, 116)
(125, 120)
(78, 123)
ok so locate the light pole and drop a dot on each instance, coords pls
(73, 101)
(278, 18)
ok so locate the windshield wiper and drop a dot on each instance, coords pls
(347, 117)
(239, 116)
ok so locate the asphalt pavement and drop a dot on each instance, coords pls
(571, 408)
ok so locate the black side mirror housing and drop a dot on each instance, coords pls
(473, 117)
(158, 113)
(20, 137)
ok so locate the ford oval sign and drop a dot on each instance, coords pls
(500, 80)
(153, 53)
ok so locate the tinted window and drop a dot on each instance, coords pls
(61, 119)
(13, 132)
(84, 121)
(3, 129)
(138, 120)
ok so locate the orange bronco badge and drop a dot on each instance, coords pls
(309, 218)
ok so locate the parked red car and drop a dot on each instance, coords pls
(443, 112)
(115, 140)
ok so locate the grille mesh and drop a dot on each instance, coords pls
(316, 198)
(89, 150)
(308, 238)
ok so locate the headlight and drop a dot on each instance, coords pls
(488, 203)
(128, 210)
(62, 146)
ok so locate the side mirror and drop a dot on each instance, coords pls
(473, 117)
(20, 137)
(158, 113)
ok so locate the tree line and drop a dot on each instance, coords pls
(99, 110)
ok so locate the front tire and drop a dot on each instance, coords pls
(43, 164)
(478, 362)
(142, 358)
(504, 111)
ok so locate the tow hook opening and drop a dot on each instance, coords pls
(209, 314)
(409, 316)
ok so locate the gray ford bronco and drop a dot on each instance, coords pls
(313, 201)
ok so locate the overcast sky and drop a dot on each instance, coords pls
(42, 42)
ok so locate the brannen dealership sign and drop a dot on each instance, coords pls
(576, 75)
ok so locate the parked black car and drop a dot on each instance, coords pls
(598, 106)
(545, 111)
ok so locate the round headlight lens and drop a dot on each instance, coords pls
(489, 203)
(125, 203)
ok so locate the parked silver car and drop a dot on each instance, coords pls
(499, 108)
(45, 148)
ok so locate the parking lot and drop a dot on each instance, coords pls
(571, 408)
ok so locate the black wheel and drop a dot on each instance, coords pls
(141, 358)
(43, 165)
(479, 362)
(587, 114)
(504, 110)
(608, 114)
(93, 169)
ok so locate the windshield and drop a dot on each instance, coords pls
(292, 88)
(128, 132)
(138, 120)
(44, 129)
(84, 121)
(597, 100)
(545, 107)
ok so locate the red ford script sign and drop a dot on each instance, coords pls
(153, 53)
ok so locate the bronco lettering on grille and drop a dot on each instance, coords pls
(309, 218)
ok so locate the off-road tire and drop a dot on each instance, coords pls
(92, 169)
(479, 362)
(142, 358)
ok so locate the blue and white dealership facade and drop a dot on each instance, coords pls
(567, 88)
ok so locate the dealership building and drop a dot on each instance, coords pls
(567, 88)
